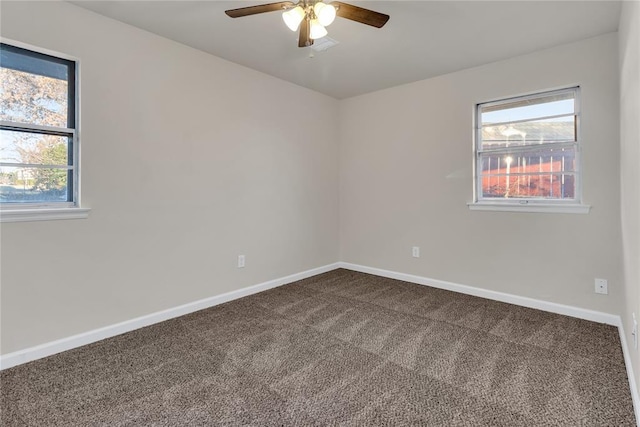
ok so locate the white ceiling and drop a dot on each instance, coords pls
(421, 40)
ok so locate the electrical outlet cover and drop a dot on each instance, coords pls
(602, 286)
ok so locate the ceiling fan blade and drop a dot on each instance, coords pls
(262, 8)
(359, 14)
(305, 34)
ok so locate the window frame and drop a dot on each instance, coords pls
(523, 204)
(49, 210)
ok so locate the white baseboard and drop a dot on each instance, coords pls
(43, 350)
(567, 310)
(632, 379)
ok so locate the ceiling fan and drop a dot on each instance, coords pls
(312, 16)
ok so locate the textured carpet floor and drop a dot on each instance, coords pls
(341, 348)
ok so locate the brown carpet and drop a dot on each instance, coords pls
(341, 348)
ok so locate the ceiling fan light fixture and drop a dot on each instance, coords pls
(325, 13)
(293, 17)
(317, 31)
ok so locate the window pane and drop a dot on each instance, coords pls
(33, 99)
(29, 185)
(34, 148)
(37, 92)
(527, 147)
(545, 186)
(530, 161)
(560, 129)
(525, 109)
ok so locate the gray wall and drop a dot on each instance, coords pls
(629, 168)
(187, 161)
(406, 177)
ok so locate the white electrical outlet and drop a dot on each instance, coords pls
(415, 251)
(602, 287)
(634, 331)
(240, 261)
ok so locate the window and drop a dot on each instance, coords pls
(527, 153)
(38, 137)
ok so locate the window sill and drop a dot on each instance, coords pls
(533, 207)
(50, 214)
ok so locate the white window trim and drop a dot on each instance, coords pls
(26, 212)
(567, 208)
(529, 205)
(49, 214)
